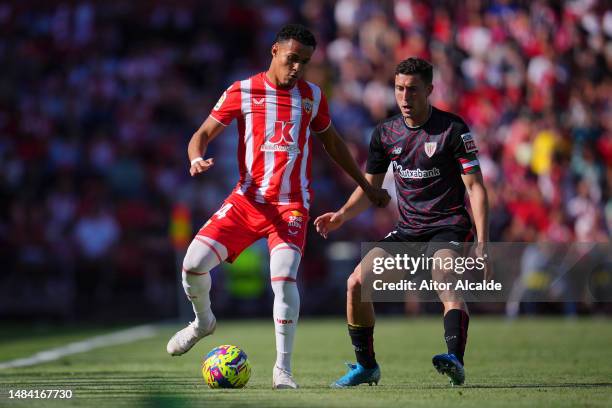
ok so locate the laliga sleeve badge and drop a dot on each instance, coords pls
(220, 101)
(469, 143)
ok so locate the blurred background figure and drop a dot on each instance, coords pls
(98, 100)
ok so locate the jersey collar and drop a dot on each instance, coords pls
(273, 86)
(422, 124)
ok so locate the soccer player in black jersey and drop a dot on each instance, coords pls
(434, 162)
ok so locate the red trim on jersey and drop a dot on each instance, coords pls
(202, 240)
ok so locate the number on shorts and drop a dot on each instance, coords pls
(223, 211)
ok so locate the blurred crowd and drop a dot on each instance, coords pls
(99, 99)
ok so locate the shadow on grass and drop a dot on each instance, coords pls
(543, 385)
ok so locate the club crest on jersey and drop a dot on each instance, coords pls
(307, 104)
(430, 148)
(397, 150)
(469, 143)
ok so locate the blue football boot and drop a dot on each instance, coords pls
(356, 375)
(451, 366)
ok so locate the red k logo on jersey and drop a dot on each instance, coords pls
(281, 140)
(282, 133)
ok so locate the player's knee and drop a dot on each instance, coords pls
(284, 263)
(353, 283)
(199, 258)
(442, 272)
(441, 268)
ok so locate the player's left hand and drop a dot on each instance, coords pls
(328, 222)
(378, 196)
(201, 166)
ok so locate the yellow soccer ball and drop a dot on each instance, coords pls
(226, 367)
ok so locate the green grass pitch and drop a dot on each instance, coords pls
(528, 362)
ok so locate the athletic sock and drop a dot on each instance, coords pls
(456, 323)
(363, 342)
(202, 256)
(286, 311)
(197, 288)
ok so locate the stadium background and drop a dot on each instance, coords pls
(98, 100)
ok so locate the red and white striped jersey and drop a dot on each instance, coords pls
(275, 147)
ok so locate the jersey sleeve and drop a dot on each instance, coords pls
(378, 160)
(322, 121)
(464, 148)
(228, 106)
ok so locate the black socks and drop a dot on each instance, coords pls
(456, 323)
(363, 342)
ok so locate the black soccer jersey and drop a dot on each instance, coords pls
(428, 162)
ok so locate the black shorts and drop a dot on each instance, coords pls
(427, 243)
(400, 245)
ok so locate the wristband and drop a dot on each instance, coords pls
(197, 159)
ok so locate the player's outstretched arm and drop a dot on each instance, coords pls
(356, 204)
(198, 144)
(479, 202)
(336, 148)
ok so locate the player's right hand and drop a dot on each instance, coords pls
(328, 222)
(378, 196)
(201, 166)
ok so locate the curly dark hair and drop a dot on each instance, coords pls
(416, 66)
(296, 32)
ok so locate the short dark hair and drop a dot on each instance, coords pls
(416, 66)
(296, 32)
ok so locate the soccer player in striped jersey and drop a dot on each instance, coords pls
(277, 113)
(433, 156)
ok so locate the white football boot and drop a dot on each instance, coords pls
(282, 379)
(185, 339)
